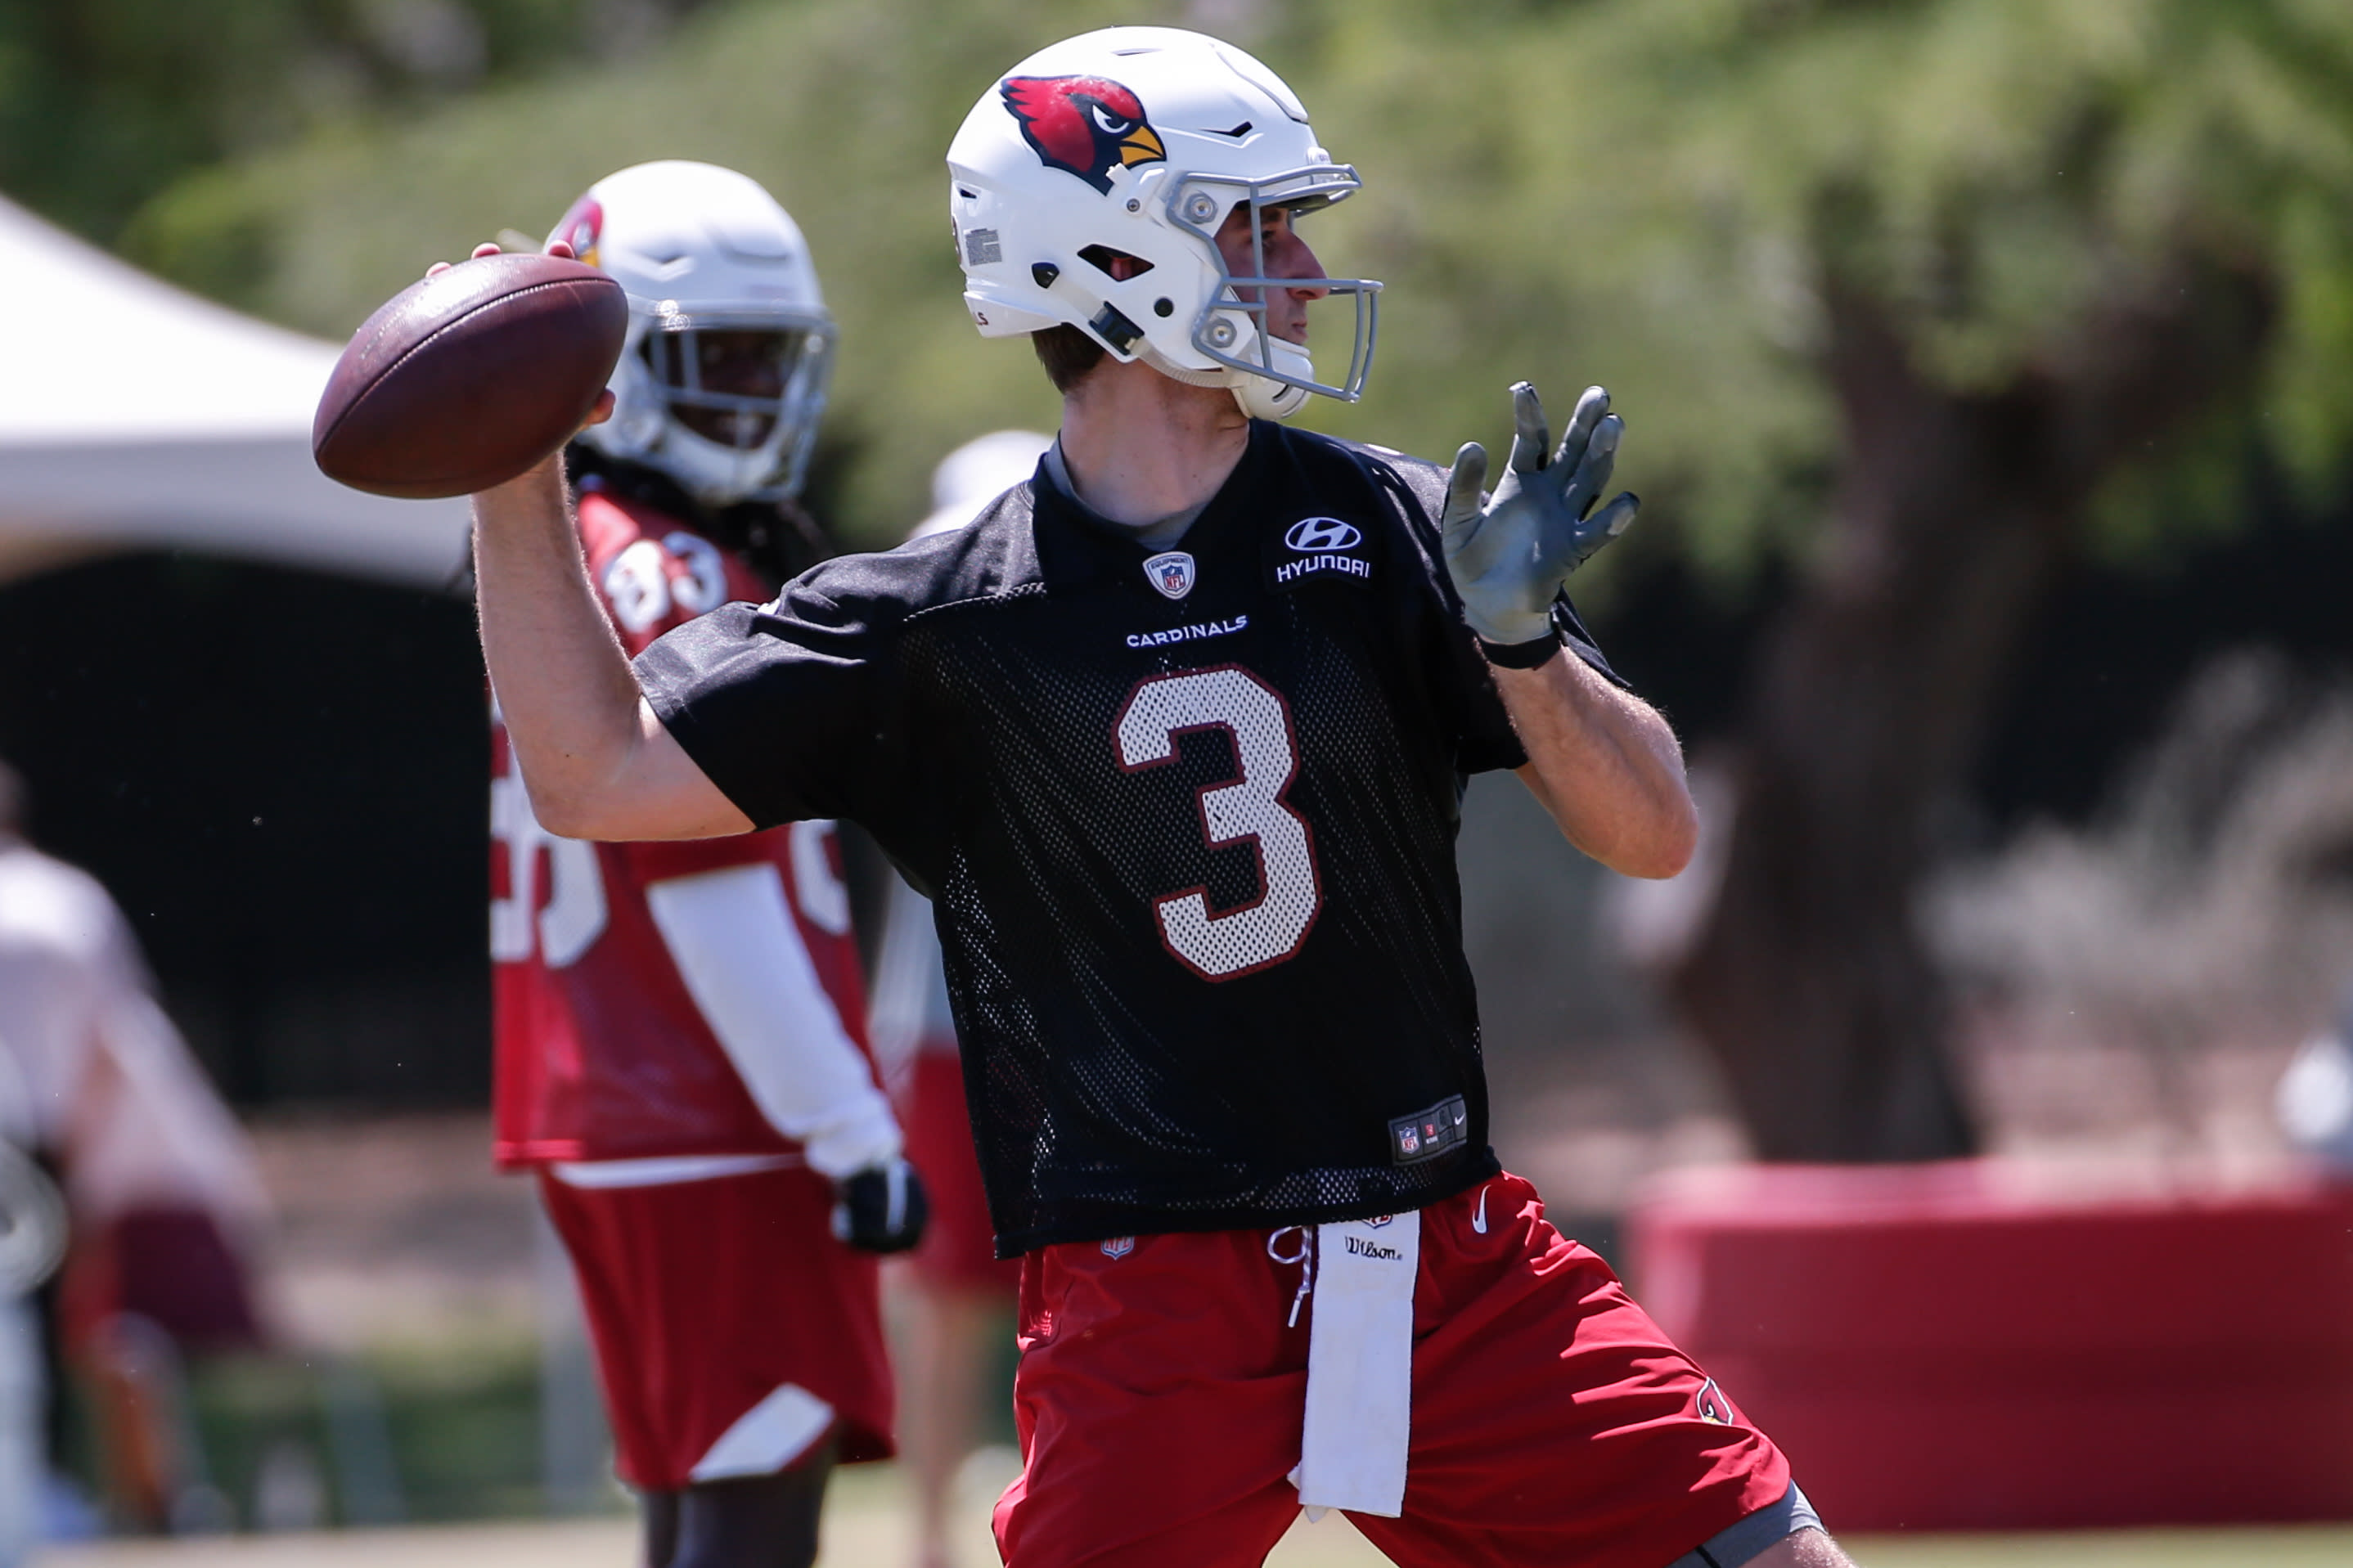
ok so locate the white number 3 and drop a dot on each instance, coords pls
(1273, 926)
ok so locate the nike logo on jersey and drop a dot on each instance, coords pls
(1186, 634)
(1479, 1220)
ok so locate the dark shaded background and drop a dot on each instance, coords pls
(281, 777)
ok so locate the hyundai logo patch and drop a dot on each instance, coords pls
(1322, 534)
(1171, 572)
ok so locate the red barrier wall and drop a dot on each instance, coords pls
(1956, 1346)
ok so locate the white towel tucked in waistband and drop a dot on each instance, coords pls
(1360, 1366)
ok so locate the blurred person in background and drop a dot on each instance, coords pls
(960, 1293)
(164, 1200)
(2315, 1098)
(32, 1240)
(680, 1050)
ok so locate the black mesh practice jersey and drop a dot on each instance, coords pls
(1189, 817)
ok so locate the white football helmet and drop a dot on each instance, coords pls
(1140, 141)
(977, 473)
(722, 377)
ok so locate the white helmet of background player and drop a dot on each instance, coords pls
(977, 473)
(722, 377)
(1140, 141)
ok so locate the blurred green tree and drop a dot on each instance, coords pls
(1925, 295)
(842, 107)
(1918, 296)
(104, 102)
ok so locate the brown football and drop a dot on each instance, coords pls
(465, 380)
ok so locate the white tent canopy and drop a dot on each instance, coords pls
(134, 415)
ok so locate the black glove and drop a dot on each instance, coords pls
(881, 1209)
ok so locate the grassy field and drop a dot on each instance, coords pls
(866, 1527)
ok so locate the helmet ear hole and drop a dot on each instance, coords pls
(1116, 265)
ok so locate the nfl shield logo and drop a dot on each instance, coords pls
(1119, 1246)
(1409, 1140)
(1171, 572)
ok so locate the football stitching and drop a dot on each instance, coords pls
(418, 347)
(422, 344)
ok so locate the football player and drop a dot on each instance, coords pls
(1175, 736)
(680, 1050)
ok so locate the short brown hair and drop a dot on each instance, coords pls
(1067, 354)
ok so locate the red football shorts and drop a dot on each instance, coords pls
(732, 1329)
(1160, 1402)
(959, 1247)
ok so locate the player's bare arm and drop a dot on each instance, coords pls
(1606, 765)
(597, 762)
(1603, 761)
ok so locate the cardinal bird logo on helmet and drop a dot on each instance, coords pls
(1084, 124)
(582, 229)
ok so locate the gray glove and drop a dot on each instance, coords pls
(1509, 556)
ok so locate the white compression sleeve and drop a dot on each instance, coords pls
(907, 1005)
(737, 947)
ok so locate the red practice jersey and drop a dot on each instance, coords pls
(601, 1052)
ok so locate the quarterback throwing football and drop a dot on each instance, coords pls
(1174, 735)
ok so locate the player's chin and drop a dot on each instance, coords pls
(728, 428)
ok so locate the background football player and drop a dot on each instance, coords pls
(1176, 734)
(680, 1026)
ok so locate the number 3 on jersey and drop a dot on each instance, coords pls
(1273, 926)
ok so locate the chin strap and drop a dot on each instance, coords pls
(1262, 398)
(1212, 377)
(1259, 397)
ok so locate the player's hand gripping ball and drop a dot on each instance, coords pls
(881, 1208)
(1509, 554)
(468, 378)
